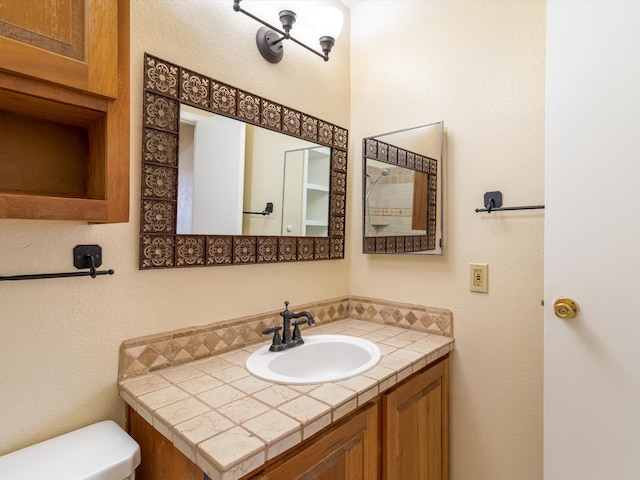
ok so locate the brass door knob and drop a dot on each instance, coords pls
(566, 308)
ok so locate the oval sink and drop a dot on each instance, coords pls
(322, 358)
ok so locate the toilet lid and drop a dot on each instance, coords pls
(102, 451)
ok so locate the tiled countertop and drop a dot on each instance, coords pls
(229, 422)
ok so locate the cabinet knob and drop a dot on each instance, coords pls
(566, 308)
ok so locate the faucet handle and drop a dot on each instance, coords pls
(277, 339)
(270, 330)
(297, 336)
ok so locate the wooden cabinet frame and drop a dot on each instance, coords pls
(83, 99)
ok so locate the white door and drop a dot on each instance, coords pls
(218, 172)
(592, 241)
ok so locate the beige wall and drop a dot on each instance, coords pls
(59, 338)
(480, 67)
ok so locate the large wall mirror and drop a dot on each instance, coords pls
(403, 191)
(229, 177)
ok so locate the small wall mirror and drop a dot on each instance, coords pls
(229, 177)
(403, 191)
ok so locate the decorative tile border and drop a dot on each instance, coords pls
(384, 152)
(399, 244)
(436, 321)
(142, 355)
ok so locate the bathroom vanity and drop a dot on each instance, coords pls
(401, 433)
(211, 416)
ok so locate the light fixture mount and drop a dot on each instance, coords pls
(269, 39)
(270, 44)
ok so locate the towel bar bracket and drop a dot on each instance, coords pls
(82, 255)
(493, 200)
(493, 203)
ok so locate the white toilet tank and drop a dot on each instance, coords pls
(102, 451)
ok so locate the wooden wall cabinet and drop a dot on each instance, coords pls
(64, 110)
(402, 434)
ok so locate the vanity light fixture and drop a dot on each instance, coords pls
(270, 39)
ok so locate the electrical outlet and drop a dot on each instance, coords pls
(479, 278)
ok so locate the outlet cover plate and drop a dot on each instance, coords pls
(479, 277)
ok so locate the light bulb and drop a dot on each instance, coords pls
(329, 22)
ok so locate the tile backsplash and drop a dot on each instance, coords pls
(142, 355)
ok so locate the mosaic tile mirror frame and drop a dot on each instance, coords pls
(402, 221)
(166, 87)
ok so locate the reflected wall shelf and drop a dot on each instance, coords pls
(315, 192)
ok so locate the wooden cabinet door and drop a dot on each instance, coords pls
(67, 42)
(416, 427)
(347, 452)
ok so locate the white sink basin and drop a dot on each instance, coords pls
(322, 358)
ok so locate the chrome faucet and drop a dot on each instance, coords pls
(289, 338)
